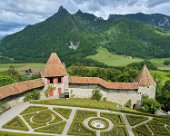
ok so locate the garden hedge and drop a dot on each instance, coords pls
(78, 128)
(3, 133)
(115, 118)
(156, 129)
(42, 117)
(155, 122)
(33, 109)
(134, 120)
(117, 130)
(64, 112)
(143, 129)
(16, 123)
(105, 121)
(56, 128)
(81, 115)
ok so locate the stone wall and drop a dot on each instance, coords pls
(118, 96)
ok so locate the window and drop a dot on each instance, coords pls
(59, 80)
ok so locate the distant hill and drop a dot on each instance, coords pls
(76, 36)
(158, 20)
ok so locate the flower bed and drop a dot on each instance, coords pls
(56, 128)
(77, 128)
(106, 124)
(165, 121)
(16, 123)
(143, 130)
(81, 115)
(155, 122)
(37, 122)
(134, 120)
(42, 117)
(116, 131)
(64, 112)
(159, 130)
(115, 118)
(33, 109)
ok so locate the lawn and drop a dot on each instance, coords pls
(106, 57)
(4, 67)
(165, 76)
(159, 63)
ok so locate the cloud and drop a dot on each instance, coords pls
(15, 14)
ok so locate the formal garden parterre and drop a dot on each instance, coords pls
(48, 120)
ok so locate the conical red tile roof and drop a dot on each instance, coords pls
(144, 78)
(54, 67)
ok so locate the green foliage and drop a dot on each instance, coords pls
(35, 95)
(33, 109)
(115, 118)
(5, 80)
(150, 105)
(96, 94)
(77, 128)
(15, 123)
(47, 91)
(18, 134)
(134, 120)
(159, 130)
(28, 117)
(42, 117)
(142, 130)
(117, 131)
(121, 36)
(64, 112)
(166, 62)
(81, 115)
(155, 122)
(164, 97)
(128, 104)
(56, 128)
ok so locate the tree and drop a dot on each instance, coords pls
(35, 95)
(150, 105)
(96, 94)
(128, 104)
(164, 98)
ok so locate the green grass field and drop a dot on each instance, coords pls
(4, 67)
(106, 57)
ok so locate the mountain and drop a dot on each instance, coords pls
(76, 36)
(158, 20)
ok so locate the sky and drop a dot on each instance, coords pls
(16, 14)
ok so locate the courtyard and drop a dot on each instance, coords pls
(47, 119)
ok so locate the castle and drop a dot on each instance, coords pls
(55, 75)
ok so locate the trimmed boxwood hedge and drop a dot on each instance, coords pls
(42, 117)
(27, 118)
(3, 133)
(56, 128)
(33, 109)
(16, 123)
(168, 128)
(81, 115)
(154, 122)
(115, 118)
(139, 133)
(93, 119)
(134, 120)
(117, 130)
(159, 130)
(165, 121)
(64, 112)
(78, 128)
(143, 129)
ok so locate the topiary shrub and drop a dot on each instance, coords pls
(35, 95)
(96, 94)
(134, 120)
(128, 104)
